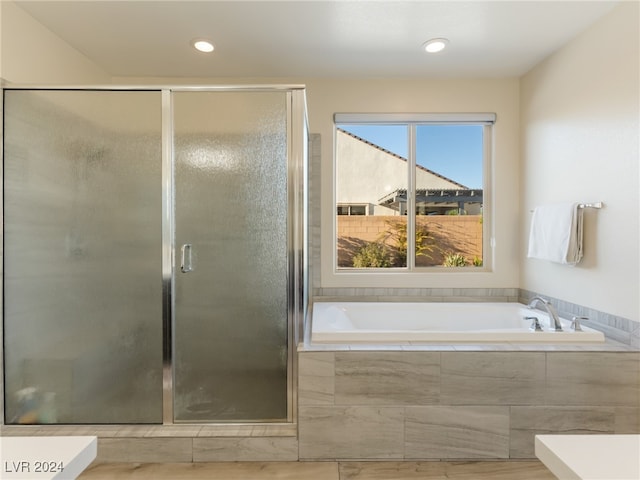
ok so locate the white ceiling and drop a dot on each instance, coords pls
(340, 38)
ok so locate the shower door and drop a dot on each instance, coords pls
(152, 254)
(231, 273)
(82, 256)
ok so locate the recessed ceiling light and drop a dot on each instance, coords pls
(202, 45)
(435, 45)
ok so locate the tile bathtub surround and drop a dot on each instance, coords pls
(527, 421)
(492, 378)
(593, 379)
(468, 432)
(413, 405)
(359, 432)
(397, 378)
(417, 294)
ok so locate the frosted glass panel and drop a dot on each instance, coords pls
(83, 277)
(231, 208)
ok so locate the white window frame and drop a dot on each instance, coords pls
(419, 277)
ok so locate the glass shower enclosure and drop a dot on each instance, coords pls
(154, 260)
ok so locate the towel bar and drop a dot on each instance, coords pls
(590, 205)
(596, 205)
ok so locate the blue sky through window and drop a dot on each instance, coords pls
(454, 151)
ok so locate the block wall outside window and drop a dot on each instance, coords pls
(460, 233)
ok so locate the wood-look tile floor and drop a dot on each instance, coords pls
(490, 470)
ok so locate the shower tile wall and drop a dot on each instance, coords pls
(178, 443)
(456, 405)
(314, 209)
(184, 449)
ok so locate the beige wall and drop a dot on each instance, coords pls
(325, 97)
(328, 96)
(36, 56)
(580, 111)
(30, 53)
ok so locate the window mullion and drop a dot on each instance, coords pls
(411, 199)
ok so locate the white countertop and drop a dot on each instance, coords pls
(590, 457)
(35, 458)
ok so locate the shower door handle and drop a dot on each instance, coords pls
(186, 262)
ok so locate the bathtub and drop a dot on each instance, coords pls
(409, 323)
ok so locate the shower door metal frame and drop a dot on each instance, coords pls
(297, 239)
(168, 244)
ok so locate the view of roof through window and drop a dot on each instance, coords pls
(453, 151)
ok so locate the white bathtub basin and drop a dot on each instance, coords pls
(406, 323)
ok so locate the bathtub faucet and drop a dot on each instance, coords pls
(550, 310)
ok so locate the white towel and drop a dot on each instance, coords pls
(556, 233)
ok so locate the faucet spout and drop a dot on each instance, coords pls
(553, 315)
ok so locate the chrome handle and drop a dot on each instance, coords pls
(535, 324)
(186, 263)
(575, 323)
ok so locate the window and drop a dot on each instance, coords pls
(352, 210)
(409, 191)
